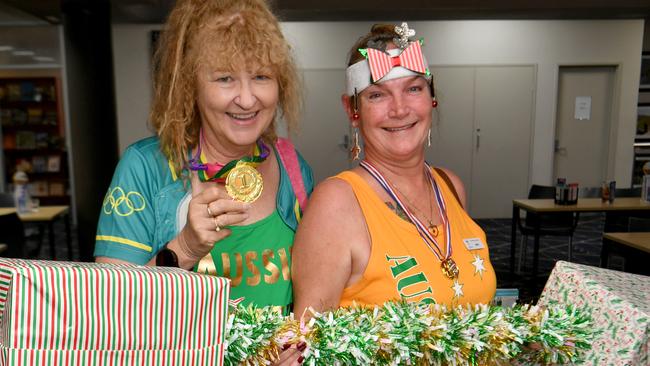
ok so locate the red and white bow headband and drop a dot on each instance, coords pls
(382, 66)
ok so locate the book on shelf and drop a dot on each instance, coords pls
(57, 189)
(49, 118)
(54, 163)
(34, 116)
(9, 141)
(41, 188)
(25, 140)
(18, 117)
(26, 91)
(39, 164)
(13, 92)
(5, 117)
(42, 140)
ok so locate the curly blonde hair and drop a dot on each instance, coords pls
(224, 35)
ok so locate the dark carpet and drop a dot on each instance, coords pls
(587, 243)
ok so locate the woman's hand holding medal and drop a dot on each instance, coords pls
(210, 211)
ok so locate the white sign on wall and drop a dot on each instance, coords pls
(582, 108)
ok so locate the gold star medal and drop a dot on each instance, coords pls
(449, 268)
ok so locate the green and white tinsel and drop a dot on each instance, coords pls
(400, 333)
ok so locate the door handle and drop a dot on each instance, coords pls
(478, 138)
(559, 149)
(345, 144)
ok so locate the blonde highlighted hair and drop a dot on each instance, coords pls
(222, 35)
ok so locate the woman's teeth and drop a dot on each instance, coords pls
(242, 116)
(395, 129)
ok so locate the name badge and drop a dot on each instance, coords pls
(473, 243)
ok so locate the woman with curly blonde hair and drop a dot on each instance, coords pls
(215, 191)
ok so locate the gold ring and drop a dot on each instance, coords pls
(209, 212)
(216, 226)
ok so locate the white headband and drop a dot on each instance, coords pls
(358, 75)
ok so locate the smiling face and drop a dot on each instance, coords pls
(395, 117)
(236, 107)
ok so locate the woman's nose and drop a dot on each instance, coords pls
(398, 108)
(245, 98)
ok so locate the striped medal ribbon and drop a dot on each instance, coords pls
(219, 172)
(447, 264)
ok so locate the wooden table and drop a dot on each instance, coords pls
(47, 215)
(634, 247)
(623, 205)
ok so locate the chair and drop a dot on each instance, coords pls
(6, 200)
(617, 221)
(627, 192)
(550, 224)
(13, 235)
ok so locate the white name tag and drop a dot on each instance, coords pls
(473, 243)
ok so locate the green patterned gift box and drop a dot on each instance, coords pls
(619, 304)
(63, 313)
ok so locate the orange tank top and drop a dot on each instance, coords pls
(401, 265)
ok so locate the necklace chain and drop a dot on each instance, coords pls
(432, 228)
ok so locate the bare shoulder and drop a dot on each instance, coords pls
(332, 205)
(458, 185)
(331, 194)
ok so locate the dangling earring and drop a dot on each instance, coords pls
(434, 102)
(355, 114)
(355, 150)
(429, 138)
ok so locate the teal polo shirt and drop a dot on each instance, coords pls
(141, 209)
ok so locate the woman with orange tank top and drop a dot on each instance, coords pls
(394, 227)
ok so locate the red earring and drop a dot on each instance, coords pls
(355, 116)
(434, 103)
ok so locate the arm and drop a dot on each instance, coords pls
(325, 253)
(199, 235)
(126, 235)
(458, 185)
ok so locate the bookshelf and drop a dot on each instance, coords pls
(31, 122)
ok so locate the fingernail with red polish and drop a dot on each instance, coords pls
(286, 346)
(301, 346)
(300, 359)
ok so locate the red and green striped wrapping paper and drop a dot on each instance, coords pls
(64, 313)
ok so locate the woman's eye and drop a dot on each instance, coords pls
(415, 89)
(262, 77)
(223, 79)
(374, 95)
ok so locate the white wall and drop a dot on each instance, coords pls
(131, 62)
(548, 44)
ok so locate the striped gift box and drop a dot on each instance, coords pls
(64, 313)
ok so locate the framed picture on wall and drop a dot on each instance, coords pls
(645, 70)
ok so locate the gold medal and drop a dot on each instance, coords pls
(244, 183)
(449, 268)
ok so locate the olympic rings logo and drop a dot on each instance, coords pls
(123, 204)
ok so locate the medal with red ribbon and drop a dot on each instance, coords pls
(447, 264)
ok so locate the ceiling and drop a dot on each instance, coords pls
(27, 37)
(155, 11)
